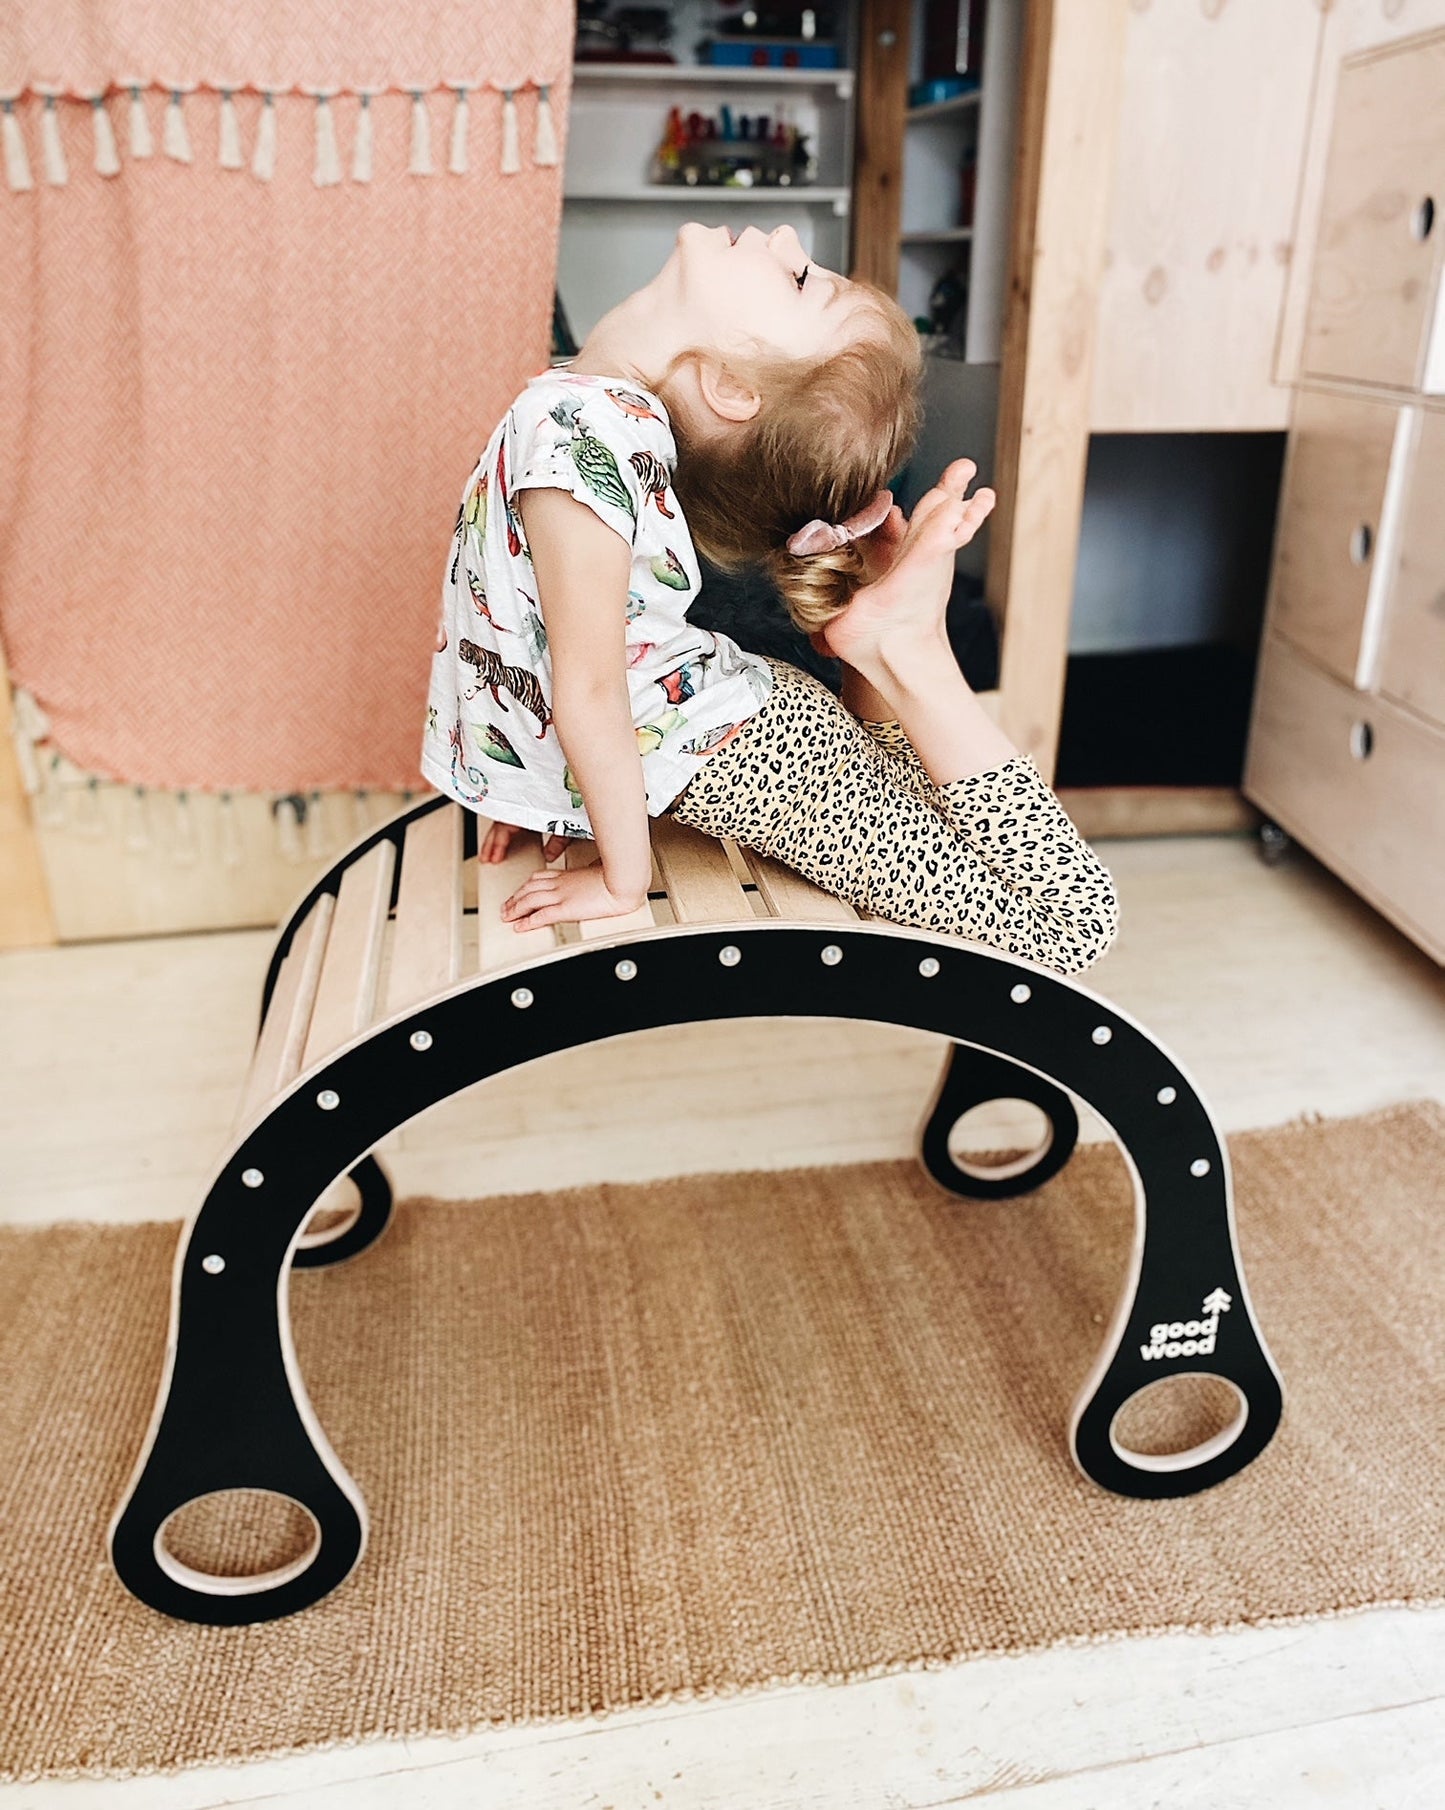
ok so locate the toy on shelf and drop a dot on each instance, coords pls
(628, 34)
(772, 37)
(732, 151)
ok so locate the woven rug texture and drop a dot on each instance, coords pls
(627, 1444)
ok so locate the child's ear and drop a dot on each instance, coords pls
(726, 394)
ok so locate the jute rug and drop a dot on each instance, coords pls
(630, 1444)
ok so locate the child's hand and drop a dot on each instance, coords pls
(910, 600)
(497, 843)
(565, 896)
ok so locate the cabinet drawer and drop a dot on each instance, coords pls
(1341, 450)
(1378, 821)
(1377, 256)
(1412, 659)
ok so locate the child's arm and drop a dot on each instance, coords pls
(582, 567)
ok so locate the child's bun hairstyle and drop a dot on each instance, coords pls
(827, 438)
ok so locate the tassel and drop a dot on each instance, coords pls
(175, 139)
(29, 727)
(544, 148)
(511, 153)
(88, 819)
(457, 163)
(183, 849)
(263, 163)
(360, 813)
(230, 157)
(141, 144)
(316, 843)
(17, 164)
(361, 151)
(56, 173)
(288, 829)
(420, 164)
(137, 821)
(328, 162)
(107, 158)
(50, 805)
(228, 831)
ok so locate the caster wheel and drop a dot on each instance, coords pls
(1274, 843)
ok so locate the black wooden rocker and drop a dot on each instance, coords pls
(395, 984)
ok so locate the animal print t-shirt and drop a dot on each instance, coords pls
(490, 740)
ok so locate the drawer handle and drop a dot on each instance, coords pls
(1423, 219)
(1362, 740)
(1362, 541)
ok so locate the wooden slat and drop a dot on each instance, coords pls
(346, 993)
(586, 854)
(426, 952)
(788, 895)
(701, 884)
(497, 942)
(277, 1060)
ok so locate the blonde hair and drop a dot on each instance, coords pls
(828, 436)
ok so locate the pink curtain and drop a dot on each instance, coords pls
(240, 402)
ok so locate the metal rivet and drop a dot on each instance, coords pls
(252, 1177)
(928, 967)
(730, 955)
(1200, 1166)
(421, 1040)
(521, 998)
(328, 1100)
(831, 955)
(1020, 993)
(1102, 1033)
(1165, 1096)
(626, 970)
(213, 1265)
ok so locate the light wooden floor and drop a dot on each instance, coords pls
(1277, 991)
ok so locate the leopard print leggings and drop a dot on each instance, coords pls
(992, 857)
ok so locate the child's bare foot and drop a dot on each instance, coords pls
(901, 614)
(497, 843)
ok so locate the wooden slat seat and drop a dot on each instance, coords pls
(352, 961)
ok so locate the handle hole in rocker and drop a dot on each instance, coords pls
(1012, 1134)
(1179, 1421)
(336, 1212)
(1362, 542)
(1362, 740)
(1422, 219)
(233, 1541)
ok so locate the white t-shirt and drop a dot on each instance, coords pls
(490, 740)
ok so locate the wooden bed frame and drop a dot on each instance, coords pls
(395, 984)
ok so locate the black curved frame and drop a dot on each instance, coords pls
(233, 1412)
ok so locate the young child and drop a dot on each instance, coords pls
(752, 402)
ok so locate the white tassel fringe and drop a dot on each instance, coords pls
(361, 151)
(544, 147)
(107, 158)
(53, 152)
(229, 154)
(511, 150)
(457, 163)
(420, 163)
(228, 831)
(175, 140)
(328, 162)
(17, 163)
(263, 163)
(184, 849)
(141, 143)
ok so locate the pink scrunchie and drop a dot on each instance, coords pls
(821, 537)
